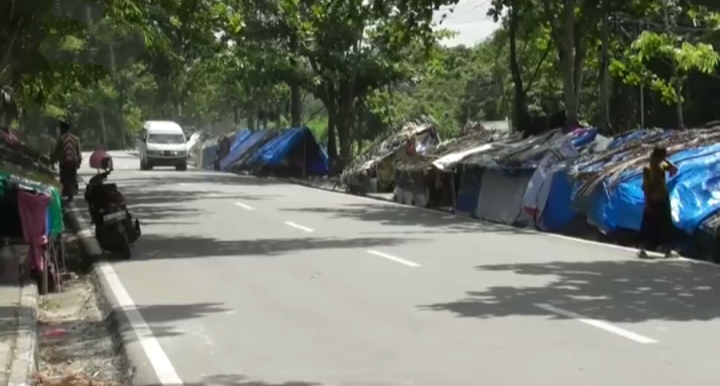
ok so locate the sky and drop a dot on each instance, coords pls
(469, 19)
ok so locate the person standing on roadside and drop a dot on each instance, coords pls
(657, 227)
(67, 155)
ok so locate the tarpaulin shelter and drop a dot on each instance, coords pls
(207, 155)
(236, 160)
(694, 193)
(517, 174)
(238, 147)
(548, 194)
(608, 185)
(295, 152)
(239, 138)
(379, 159)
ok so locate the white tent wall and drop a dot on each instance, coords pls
(501, 197)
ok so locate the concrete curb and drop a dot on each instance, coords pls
(126, 343)
(24, 362)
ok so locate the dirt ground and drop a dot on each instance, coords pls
(75, 340)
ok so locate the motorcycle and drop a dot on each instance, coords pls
(116, 230)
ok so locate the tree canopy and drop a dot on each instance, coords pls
(352, 69)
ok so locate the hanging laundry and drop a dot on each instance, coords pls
(33, 216)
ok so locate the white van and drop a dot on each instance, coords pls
(162, 143)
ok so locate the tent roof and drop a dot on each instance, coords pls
(280, 147)
(242, 147)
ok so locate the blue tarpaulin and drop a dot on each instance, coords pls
(240, 136)
(288, 145)
(694, 193)
(243, 147)
(558, 211)
(581, 138)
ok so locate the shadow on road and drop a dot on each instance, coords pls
(158, 315)
(162, 177)
(616, 291)
(186, 246)
(158, 318)
(237, 380)
(408, 216)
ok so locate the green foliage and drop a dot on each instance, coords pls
(369, 66)
(683, 57)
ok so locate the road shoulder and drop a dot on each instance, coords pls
(139, 365)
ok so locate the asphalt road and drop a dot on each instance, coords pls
(246, 281)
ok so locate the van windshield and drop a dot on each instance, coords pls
(168, 139)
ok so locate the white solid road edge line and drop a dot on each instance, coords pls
(244, 206)
(158, 359)
(598, 324)
(393, 258)
(298, 226)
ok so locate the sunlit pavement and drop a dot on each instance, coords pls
(242, 279)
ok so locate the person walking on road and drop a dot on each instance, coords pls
(67, 155)
(657, 228)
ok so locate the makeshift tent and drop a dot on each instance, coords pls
(241, 146)
(538, 189)
(295, 152)
(608, 187)
(501, 197)
(557, 213)
(693, 193)
(240, 137)
(379, 159)
(192, 141)
(249, 147)
(469, 190)
(208, 155)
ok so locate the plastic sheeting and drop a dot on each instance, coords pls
(242, 148)
(694, 194)
(208, 156)
(467, 196)
(278, 151)
(501, 197)
(449, 161)
(193, 141)
(558, 212)
(240, 137)
(539, 185)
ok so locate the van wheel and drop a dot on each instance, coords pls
(181, 167)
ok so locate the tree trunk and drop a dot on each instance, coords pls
(604, 75)
(567, 60)
(334, 161)
(521, 116)
(344, 128)
(295, 92)
(679, 103)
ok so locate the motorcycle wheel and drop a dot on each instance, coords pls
(124, 247)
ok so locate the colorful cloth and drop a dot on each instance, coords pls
(33, 208)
